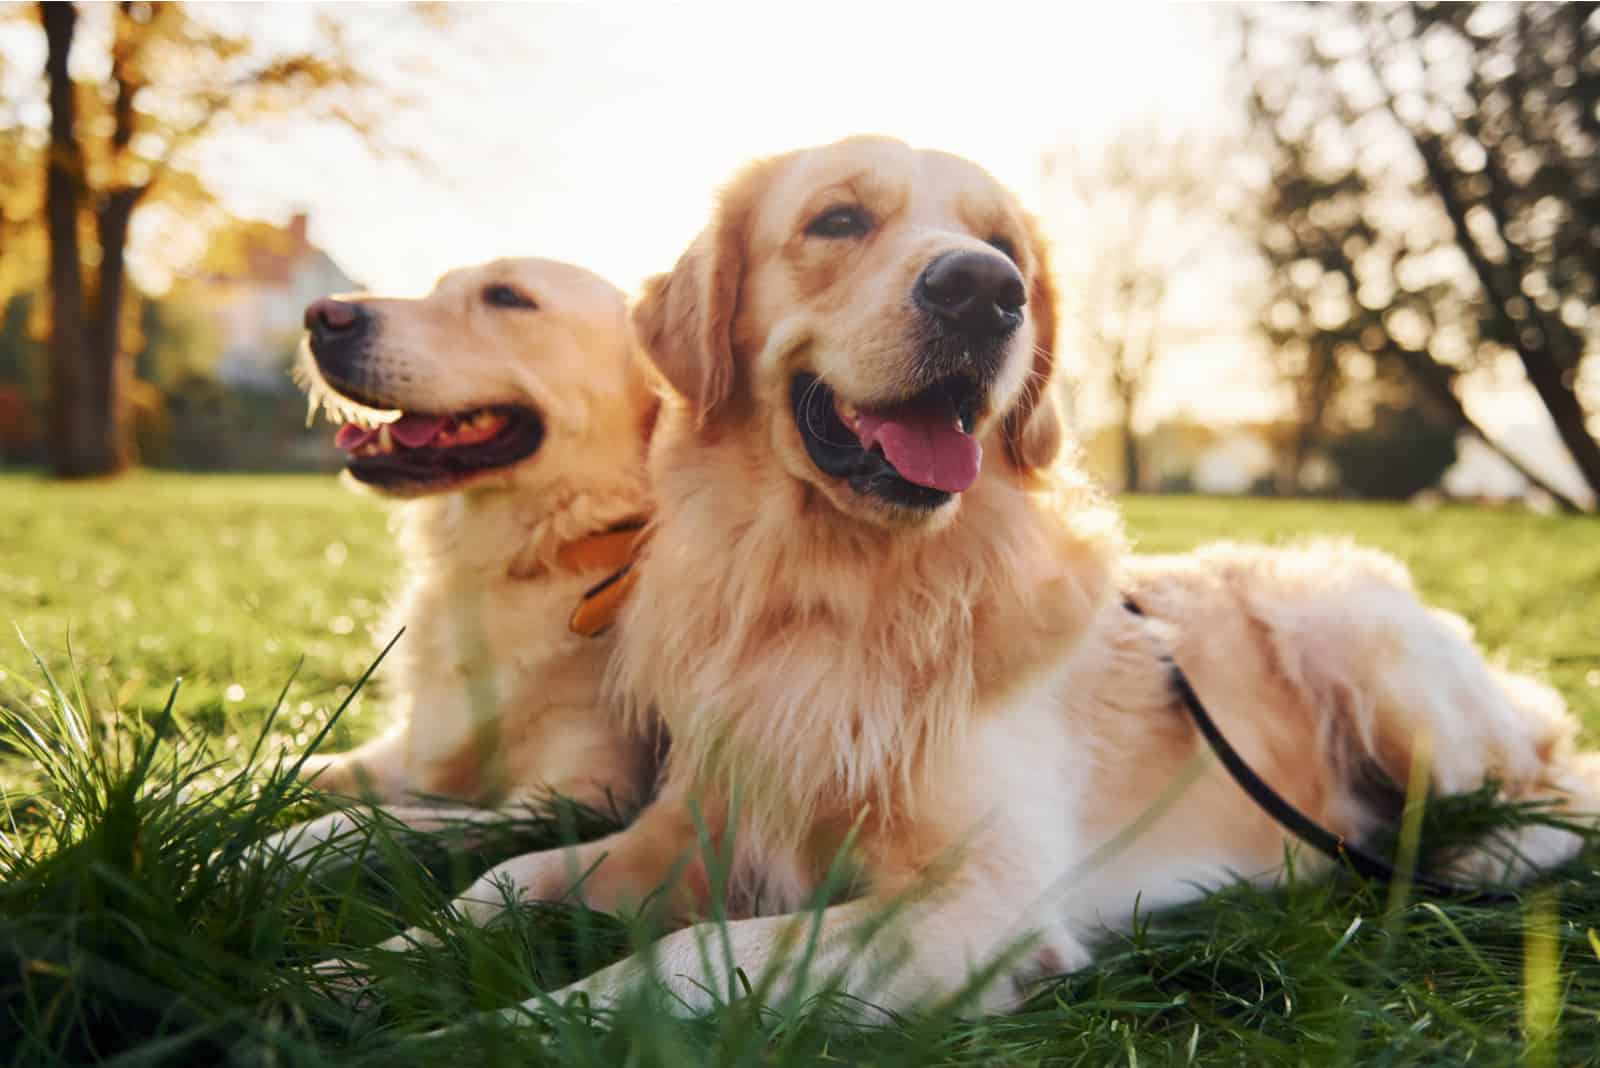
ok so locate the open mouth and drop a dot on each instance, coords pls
(424, 451)
(917, 453)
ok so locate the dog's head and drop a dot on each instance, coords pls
(876, 313)
(471, 385)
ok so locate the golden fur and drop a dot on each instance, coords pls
(494, 700)
(956, 696)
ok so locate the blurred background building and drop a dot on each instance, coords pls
(259, 293)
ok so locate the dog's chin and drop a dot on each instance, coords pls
(873, 510)
(500, 478)
(862, 481)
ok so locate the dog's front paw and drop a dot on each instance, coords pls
(347, 982)
(530, 1018)
(1049, 960)
(534, 1013)
(547, 876)
(332, 837)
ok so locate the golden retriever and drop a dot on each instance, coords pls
(505, 408)
(881, 614)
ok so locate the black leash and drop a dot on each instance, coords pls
(1292, 819)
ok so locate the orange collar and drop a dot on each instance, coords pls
(614, 549)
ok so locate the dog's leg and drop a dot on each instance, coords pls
(378, 771)
(875, 951)
(625, 868)
(1567, 786)
(1409, 683)
(349, 831)
(621, 870)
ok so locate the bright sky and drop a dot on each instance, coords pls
(596, 133)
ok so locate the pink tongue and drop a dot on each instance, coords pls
(924, 445)
(351, 436)
(414, 430)
(409, 430)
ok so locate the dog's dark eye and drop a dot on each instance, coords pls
(848, 221)
(1004, 246)
(502, 296)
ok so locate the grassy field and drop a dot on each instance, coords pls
(128, 931)
(226, 582)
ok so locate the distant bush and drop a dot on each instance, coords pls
(212, 427)
(1404, 452)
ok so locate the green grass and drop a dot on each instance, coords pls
(228, 582)
(131, 933)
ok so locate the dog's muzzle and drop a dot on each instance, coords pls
(341, 334)
(971, 304)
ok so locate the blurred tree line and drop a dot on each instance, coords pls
(1421, 186)
(1418, 186)
(178, 414)
(1144, 224)
(128, 92)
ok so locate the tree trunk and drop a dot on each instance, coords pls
(107, 369)
(89, 426)
(1561, 401)
(1292, 460)
(1132, 476)
(1438, 382)
(1132, 471)
(81, 442)
(1532, 346)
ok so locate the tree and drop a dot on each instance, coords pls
(1433, 203)
(22, 247)
(1144, 216)
(1403, 452)
(1306, 216)
(179, 339)
(121, 134)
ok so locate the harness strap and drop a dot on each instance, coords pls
(1297, 823)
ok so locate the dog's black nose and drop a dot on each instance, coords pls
(329, 318)
(339, 331)
(977, 293)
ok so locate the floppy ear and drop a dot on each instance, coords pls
(684, 319)
(1036, 428)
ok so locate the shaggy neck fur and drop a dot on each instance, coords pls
(816, 669)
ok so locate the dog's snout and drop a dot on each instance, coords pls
(978, 293)
(340, 333)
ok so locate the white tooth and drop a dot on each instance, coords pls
(385, 444)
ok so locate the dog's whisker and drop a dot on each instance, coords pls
(811, 426)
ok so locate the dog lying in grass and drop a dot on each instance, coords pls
(505, 410)
(905, 655)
